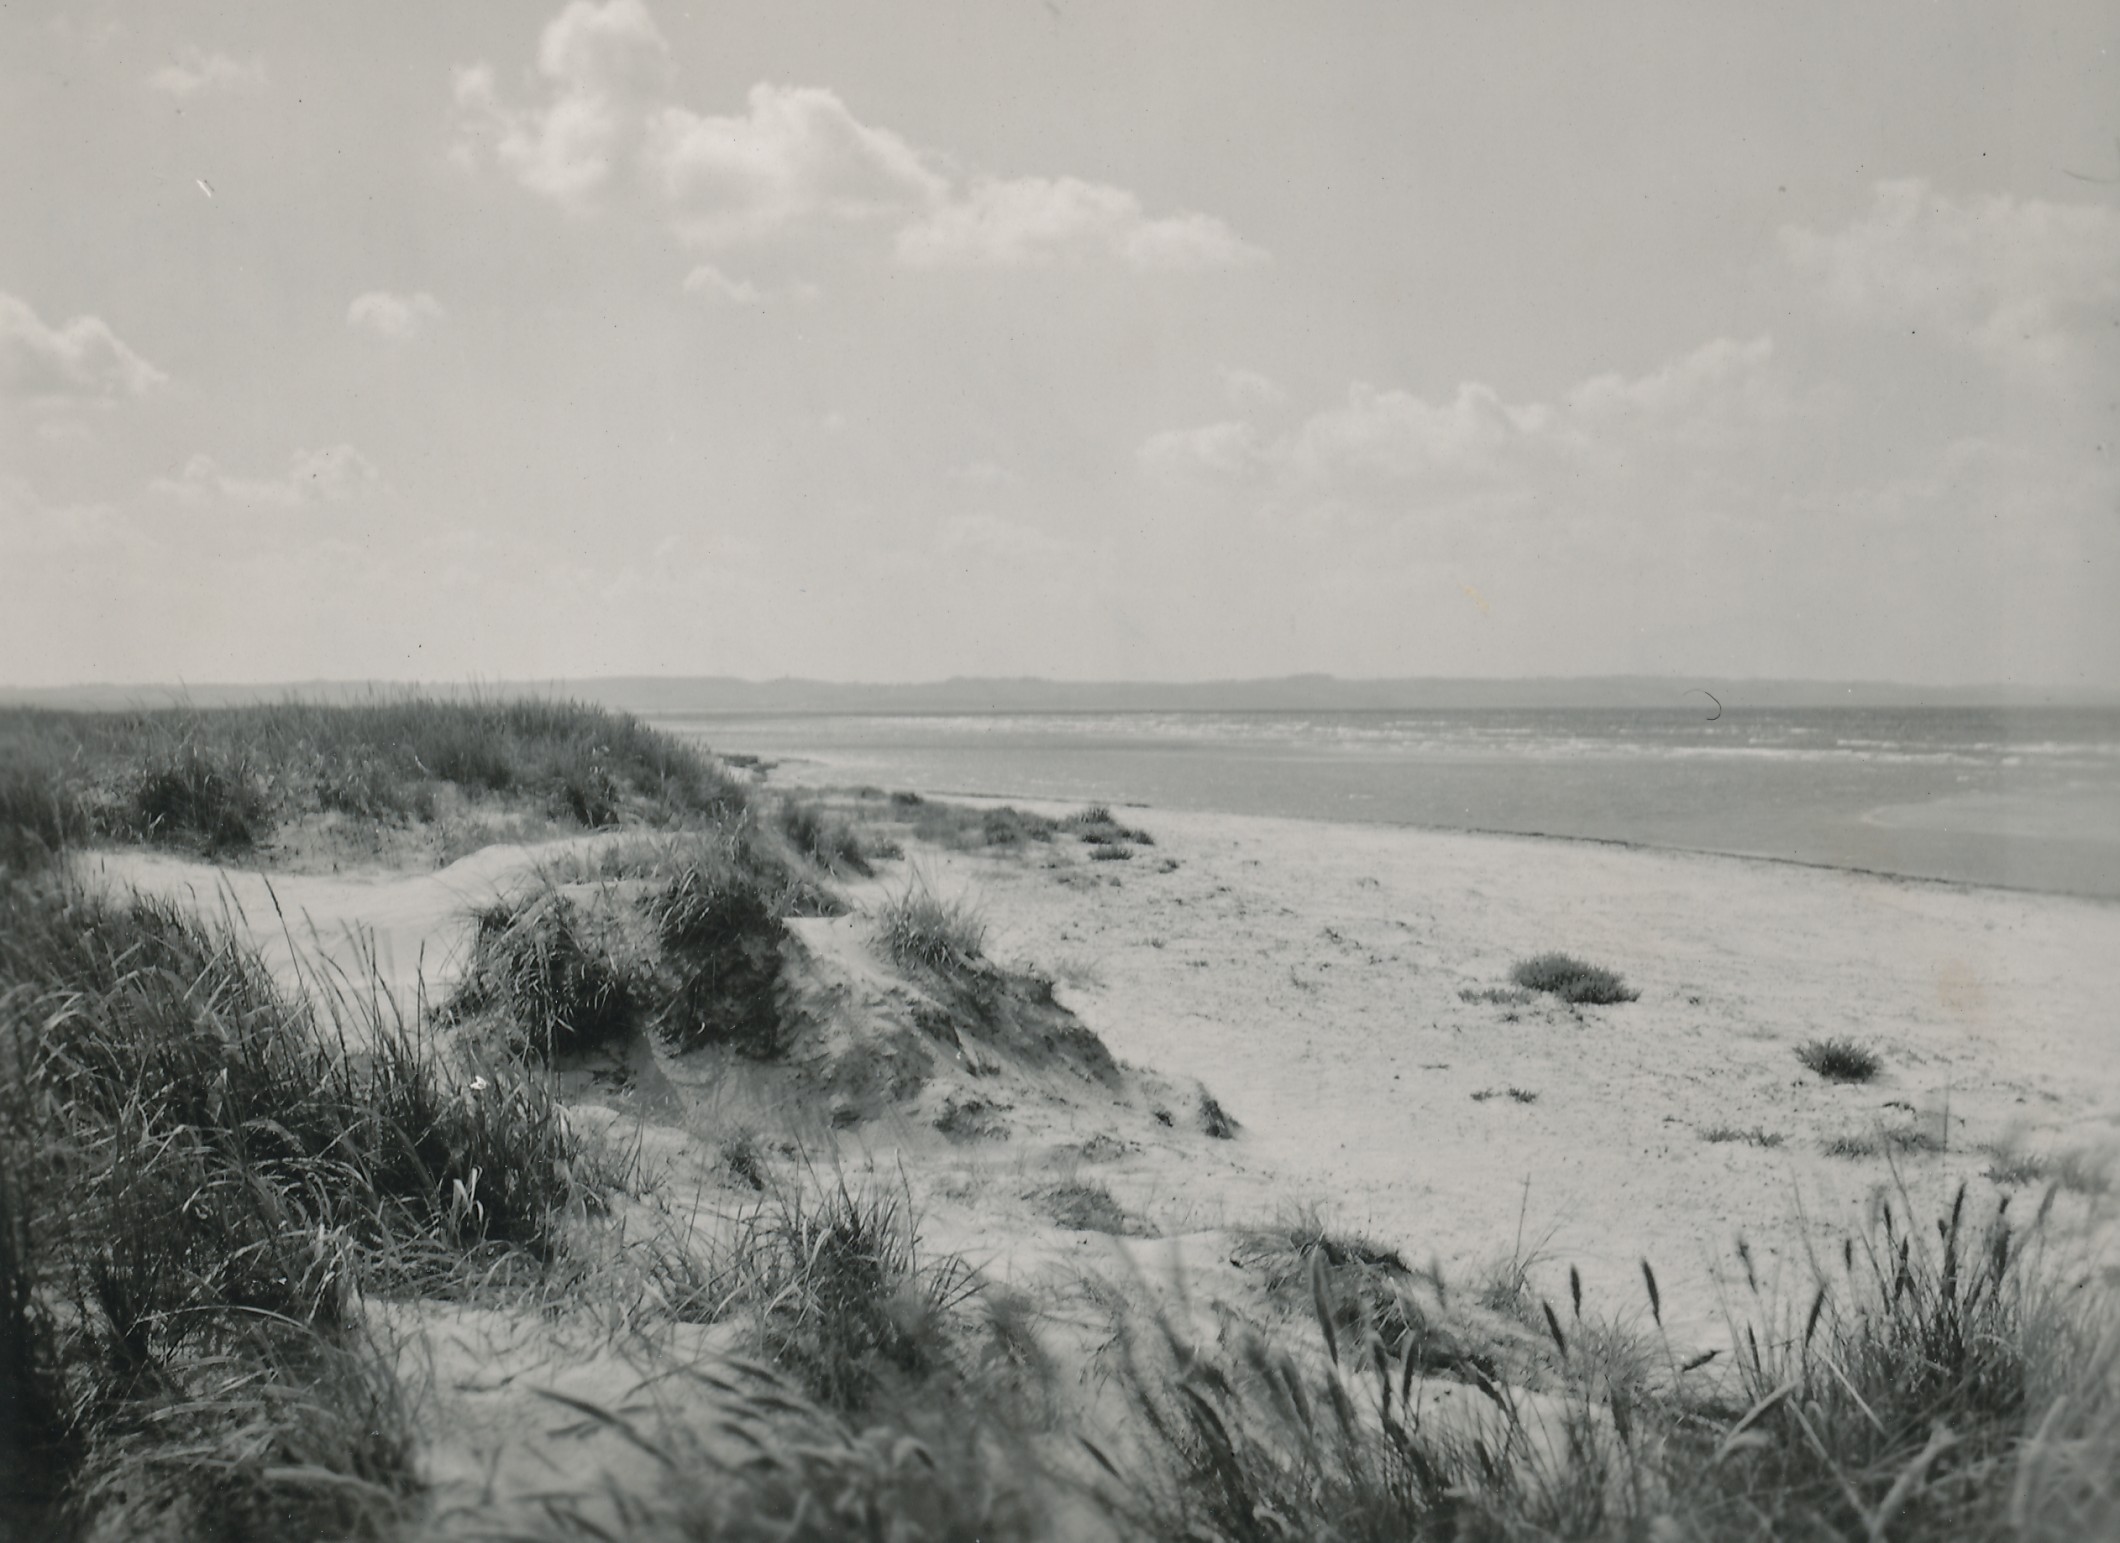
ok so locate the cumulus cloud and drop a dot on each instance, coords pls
(1027, 220)
(795, 159)
(1723, 394)
(81, 360)
(2023, 280)
(336, 474)
(399, 318)
(195, 72)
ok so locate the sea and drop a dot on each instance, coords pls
(2024, 798)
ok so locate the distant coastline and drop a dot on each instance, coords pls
(711, 694)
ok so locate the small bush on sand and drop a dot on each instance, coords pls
(1095, 826)
(1839, 1060)
(919, 929)
(1571, 980)
(1215, 1120)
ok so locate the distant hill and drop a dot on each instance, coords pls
(668, 695)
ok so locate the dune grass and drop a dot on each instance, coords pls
(1938, 1383)
(200, 1175)
(1840, 1059)
(1571, 980)
(919, 929)
(222, 781)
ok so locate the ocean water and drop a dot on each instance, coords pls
(2022, 797)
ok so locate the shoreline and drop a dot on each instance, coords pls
(1046, 801)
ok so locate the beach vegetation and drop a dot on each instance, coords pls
(1096, 826)
(829, 842)
(1752, 1136)
(920, 929)
(228, 780)
(1839, 1059)
(1571, 980)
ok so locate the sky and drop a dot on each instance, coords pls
(1095, 339)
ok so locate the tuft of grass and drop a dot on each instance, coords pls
(208, 798)
(1216, 1121)
(831, 843)
(1500, 996)
(1111, 854)
(1839, 1060)
(1571, 980)
(845, 1301)
(556, 981)
(918, 929)
(1095, 826)
(1757, 1136)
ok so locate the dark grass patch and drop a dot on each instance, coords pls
(1756, 1136)
(1111, 854)
(1086, 1208)
(1216, 1121)
(829, 842)
(1096, 826)
(1571, 980)
(1839, 1060)
(1514, 1095)
(556, 978)
(719, 923)
(197, 1176)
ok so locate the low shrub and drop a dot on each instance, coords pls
(1839, 1060)
(1095, 826)
(1571, 980)
(1757, 1136)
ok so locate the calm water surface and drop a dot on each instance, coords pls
(2023, 797)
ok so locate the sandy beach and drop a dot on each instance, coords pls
(1344, 992)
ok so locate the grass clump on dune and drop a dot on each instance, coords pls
(1840, 1060)
(919, 929)
(1572, 980)
(557, 979)
(830, 843)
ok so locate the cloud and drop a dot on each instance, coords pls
(1722, 394)
(399, 318)
(796, 156)
(1031, 220)
(79, 361)
(794, 161)
(336, 474)
(2023, 280)
(713, 283)
(196, 72)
